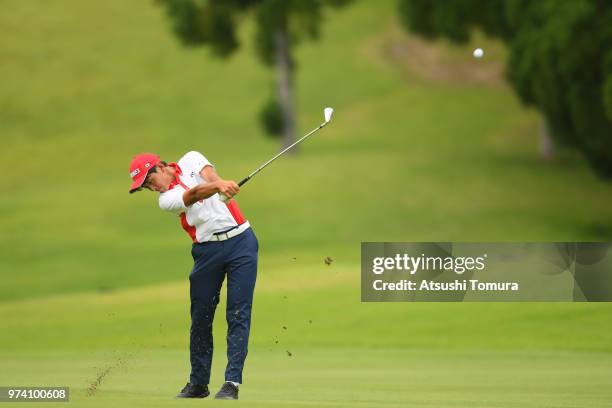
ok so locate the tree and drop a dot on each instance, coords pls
(280, 26)
(560, 59)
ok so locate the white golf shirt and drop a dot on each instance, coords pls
(205, 217)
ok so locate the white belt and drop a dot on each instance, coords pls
(231, 233)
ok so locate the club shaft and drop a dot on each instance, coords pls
(247, 178)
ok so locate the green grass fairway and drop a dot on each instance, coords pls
(332, 377)
(132, 344)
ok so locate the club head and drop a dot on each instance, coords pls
(328, 114)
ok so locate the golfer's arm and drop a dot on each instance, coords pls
(209, 174)
(203, 191)
(200, 192)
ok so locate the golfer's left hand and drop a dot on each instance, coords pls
(228, 188)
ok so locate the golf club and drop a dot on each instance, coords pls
(327, 113)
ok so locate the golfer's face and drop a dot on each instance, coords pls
(158, 179)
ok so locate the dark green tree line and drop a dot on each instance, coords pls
(280, 26)
(560, 59)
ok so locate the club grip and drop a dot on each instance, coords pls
(244, 180)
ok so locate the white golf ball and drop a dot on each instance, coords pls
(478, 53)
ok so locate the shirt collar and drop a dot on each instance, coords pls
(177, 173)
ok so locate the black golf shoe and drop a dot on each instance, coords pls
(194, 391)
(228, 391)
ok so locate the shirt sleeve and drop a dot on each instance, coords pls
(172, 200)
(197, 161)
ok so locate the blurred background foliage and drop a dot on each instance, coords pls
(560, 60)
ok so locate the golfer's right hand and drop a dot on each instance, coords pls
(228, 188)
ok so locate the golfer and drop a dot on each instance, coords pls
(223, 244)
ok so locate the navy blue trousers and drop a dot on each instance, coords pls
(236, 258)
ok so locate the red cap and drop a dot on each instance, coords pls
(139, 167)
